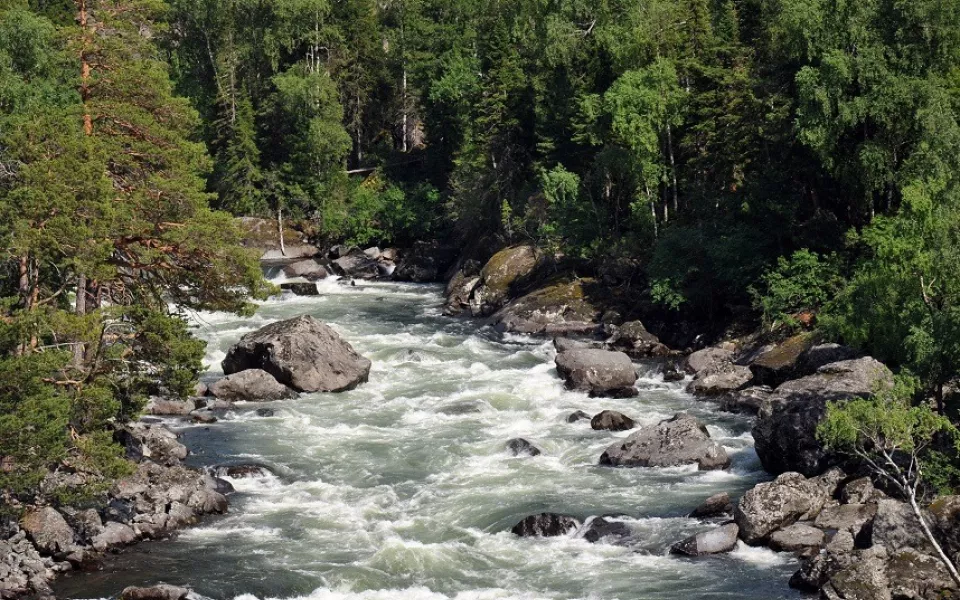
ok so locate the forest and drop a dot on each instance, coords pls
(779, 163)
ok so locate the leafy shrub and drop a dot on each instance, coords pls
(804, 282)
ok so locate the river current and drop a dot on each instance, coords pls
(404, 488)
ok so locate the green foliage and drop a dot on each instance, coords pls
(803, 282)
(903, 444)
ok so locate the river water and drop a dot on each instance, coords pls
(403, 488)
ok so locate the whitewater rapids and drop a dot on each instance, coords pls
(403, 488)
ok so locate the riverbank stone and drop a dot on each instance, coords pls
(598, 372)
(252, 385)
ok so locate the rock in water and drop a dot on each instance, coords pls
(578, 416)
(301, 353)
(521, 447)
(157, 592)
(301, 289)
(721, 379)
(600, 528)
(546, 525)
(682, 440)
(254, 385)
(311, 270)
(786, 427)
(715, 541)
(611, 420)
(716, 505)
(598, 372)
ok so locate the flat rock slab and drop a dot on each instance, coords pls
(797, 538)
(301, 353)
(682, 440)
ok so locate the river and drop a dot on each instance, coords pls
(403, 488)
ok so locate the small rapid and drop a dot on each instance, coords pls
(404, 487)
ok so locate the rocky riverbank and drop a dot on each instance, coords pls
(37, 543)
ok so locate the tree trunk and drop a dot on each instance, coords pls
(951, 568)
(84, 69)
(283, 247)
(673, 169)
(80, 308)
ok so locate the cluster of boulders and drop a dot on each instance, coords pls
(277, 362)
(788, 387)
(853, 541)
(161, 496)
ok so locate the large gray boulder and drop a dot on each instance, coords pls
(151, 442)
(701, 360)
(309, 269)
(558, 308)
(598, 372)
(301, 353)
(786, 429)
(253, 385)
(747, 401)
(778, 363)
(722, 378)
(49, 531)
(715, 541)
(502, 279)
(681, 440)
(847, 517)
(357, 265)
(777, 504)
(895, 526)
(717, 505)
(916, 576)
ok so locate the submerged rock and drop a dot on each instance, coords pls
(521, 447)
(598, 528)
(546, 525)
(252, 385)
(578, 416)
(302, 353)
(301, 289)
(681, 440)
(611, 420)
(716, 541)
(240, 471)
(598, 372)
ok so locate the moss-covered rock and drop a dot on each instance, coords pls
(559, 308)
(502, 278)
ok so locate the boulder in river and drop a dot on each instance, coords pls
(426, 262)
(356, 265)
(253, 385)
(546, 525)
(786, 429)
(716, 541)
(716, 505)
(301, 353)
(598, 528)
(681, 440)
(578, 416)
(300, 288)
(598, 372)
(310, 269)
(521, 447)
(611, 420)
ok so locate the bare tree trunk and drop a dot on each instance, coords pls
(283, 247)
(80, 308)
(951, 568)
(673, 169)
(404, 100)
(84, 69)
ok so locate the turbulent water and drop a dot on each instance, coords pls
(403, 488)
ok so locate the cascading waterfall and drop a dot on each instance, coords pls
(404, 488)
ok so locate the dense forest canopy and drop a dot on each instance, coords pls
(744, 159)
